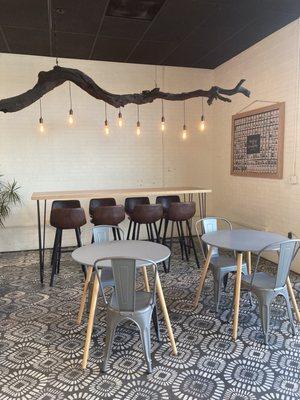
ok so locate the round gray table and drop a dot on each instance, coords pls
(241, 241)
(87, 255)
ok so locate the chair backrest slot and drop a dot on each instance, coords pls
(124, 271)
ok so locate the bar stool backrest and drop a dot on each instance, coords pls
(94, 203)
(167, 200)
(207, 225)
(131, 202)
(65, 204)
(124, 272)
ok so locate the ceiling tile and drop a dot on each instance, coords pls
(123, 28)
(27, 41)
(80, 16)
(150, 52)
(24, 13)
(112, 50)
(183, 56)
(177, 19)
(73, 45)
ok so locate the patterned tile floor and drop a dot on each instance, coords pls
(41, 345)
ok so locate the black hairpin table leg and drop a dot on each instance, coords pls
(41, 237)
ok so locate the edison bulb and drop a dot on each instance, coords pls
(106, 127)
(41, 125)
(120, 119)
(71, 119)
(138, 128)
(184, 132)
(162, 124)
(202, 124)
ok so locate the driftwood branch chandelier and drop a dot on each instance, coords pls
(49, 80)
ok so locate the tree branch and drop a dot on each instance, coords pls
(49, 80)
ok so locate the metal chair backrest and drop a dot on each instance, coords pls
(287, 251)
(207, 225)
(102, 233)
(124, 272)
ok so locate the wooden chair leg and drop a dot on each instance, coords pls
(293, 298)
(146, 281)
(239, 262)
(203, 276)
(90, 323)
(249, 264)
(84, 294)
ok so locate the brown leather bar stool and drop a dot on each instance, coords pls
(166, 201)
(109, 215)
(94, 203)
(130, 203)
(179, 213)
(65, 214)
(147, 214)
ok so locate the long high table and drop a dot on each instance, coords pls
(187, 192)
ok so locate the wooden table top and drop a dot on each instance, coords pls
(94, 193)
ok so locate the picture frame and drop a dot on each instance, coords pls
(257, 142)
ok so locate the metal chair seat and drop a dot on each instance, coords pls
(227, 263)
(143, 300)
(261, 281)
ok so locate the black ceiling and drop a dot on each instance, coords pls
(190, 33)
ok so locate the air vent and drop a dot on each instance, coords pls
(134, 9)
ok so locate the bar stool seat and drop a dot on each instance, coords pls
(108, 215)
(178, 213)
(130, 203)
(147, 214)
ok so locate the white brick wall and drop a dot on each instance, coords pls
(82, 157)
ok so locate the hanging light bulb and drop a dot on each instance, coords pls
(41, 125)
(202, 122)
(71, 117)
(162, 123)
(184, 130)
(41, 121)
(106, 127)
(120, 119)
(106, 124)
(138, 124)
(138, 128)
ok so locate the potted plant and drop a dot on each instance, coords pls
(9, 196)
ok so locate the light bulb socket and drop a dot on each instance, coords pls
(202, 118)
(162, 119)
(106, 122)
(120, 114)
(70, 111)
(138, 124)
(41, 121)
(184, 127)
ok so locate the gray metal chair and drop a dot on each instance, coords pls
(221, 265)
(103, 233)
(126, 303)
(267, 287)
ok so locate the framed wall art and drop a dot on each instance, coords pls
(257, 142)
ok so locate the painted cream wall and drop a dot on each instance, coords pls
(82, 157)
(271, 70)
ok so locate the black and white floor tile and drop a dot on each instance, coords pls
(41, 344)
